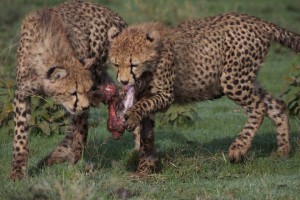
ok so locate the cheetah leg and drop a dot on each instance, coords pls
(245, 95)
(147, 153)
(20, 143)
(255, 110)
(277, 112)
(137, 138)
(70, 149)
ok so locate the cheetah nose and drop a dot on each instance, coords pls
(85, 108)
(124, 82)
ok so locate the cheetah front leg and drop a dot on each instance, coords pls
(147, 153)
(144, 107)
(20, 143)
(137, 138)
(70, 149)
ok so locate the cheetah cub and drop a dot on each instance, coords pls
(196, 61)
(62, 54)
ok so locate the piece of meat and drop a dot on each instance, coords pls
(117, 106)
(115, 123)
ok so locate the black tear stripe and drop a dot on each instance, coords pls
(133, 75)
(76, 100)
(117, 74)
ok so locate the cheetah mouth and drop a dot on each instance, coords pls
(71, 111)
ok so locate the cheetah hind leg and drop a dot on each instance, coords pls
(70, 149)
(247, 97)
(255, 111)
(277, 112)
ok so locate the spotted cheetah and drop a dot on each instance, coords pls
(196, 61)
(62, 54)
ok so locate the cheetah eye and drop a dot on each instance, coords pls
(134, 65)
(73, 93)
(116, 65)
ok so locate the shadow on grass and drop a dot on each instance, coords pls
(113, 152)
(104, 152)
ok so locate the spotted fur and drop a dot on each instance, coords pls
(196, 61)
(62, 54)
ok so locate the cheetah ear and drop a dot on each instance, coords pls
(152, 36)
(112, 33)
(55, 73)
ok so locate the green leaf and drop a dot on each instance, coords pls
(189, 115)
(44, 126)
(46, 116)
(58, 115)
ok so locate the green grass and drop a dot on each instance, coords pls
(193, 161)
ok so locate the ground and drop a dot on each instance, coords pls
(193, 161)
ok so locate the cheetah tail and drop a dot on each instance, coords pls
(286, 38)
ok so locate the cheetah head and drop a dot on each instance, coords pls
(69, 87)
(61, 76)
(134, 51)
(57, 71)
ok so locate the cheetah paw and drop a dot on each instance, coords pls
(132, 121)
(236, 155)
(16, 174)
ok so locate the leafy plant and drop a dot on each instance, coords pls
(6, 107)
(179, 116)
(46, 116)
(292, 92)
